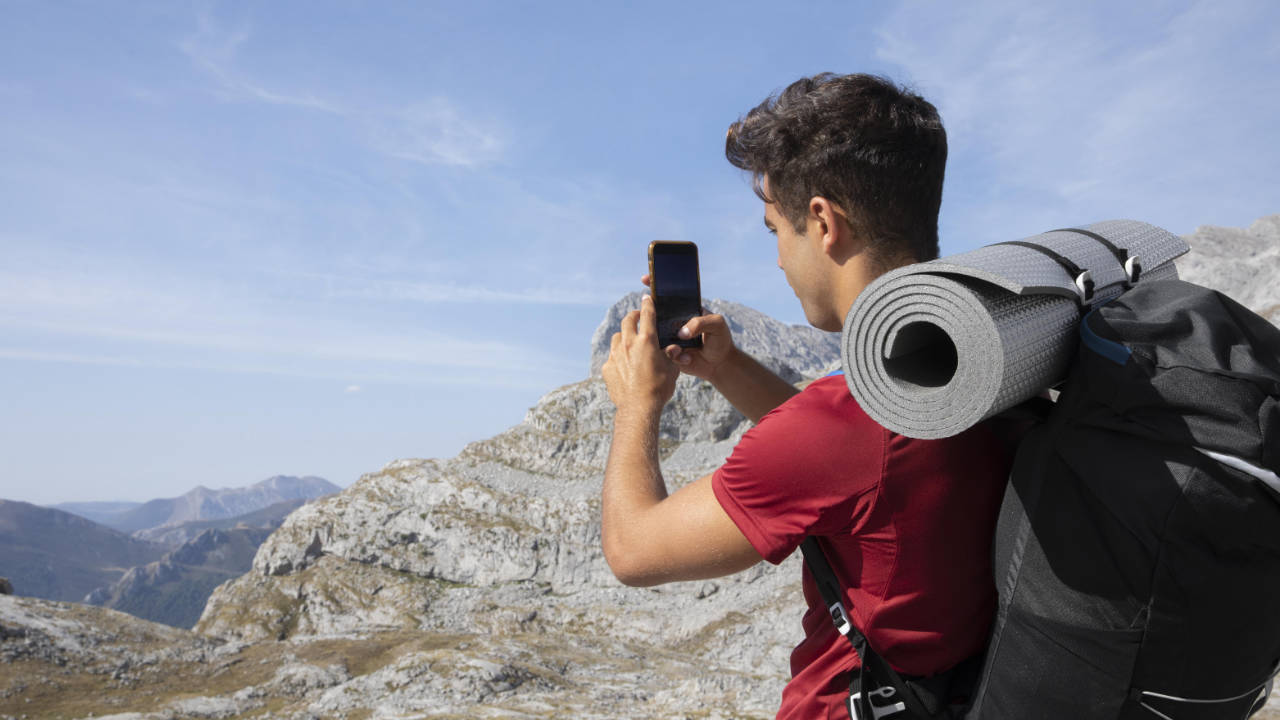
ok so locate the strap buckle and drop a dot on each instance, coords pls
(1084, 286)
(840, 618)
(1132, 270)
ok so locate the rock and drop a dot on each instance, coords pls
(1242, 263)
(6, 587)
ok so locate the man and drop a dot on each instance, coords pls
(850, 171)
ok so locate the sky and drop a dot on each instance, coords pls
(247, 239)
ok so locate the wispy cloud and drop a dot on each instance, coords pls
(113, 316)
(1086, 108)
(214, 51)
(429, 132)
(436, 133)
(386, 290)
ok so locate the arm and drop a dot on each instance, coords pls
(648, 536)
(749, 386)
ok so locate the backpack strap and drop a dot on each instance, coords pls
(1080, 276)
(860, 697)
(1132, 265)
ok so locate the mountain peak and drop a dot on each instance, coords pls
(794, 351)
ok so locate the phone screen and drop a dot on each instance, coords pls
(677, 294)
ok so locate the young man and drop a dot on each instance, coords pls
(850, 170)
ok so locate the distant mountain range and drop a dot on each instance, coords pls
(55, 555)
(98, 512)
(173, 590)
(175, 535)
(202, 504)
(179, 551)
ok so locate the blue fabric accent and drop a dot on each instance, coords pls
(835, 372)
(1109, 349)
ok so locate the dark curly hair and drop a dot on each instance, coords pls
(876, 150)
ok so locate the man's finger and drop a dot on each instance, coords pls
(644, 279)
(628, 329)
(702, 325)
(648, 324)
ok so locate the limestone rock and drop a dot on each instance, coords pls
(1242, 263)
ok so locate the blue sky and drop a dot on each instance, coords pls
(246, 239)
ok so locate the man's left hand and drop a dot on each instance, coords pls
(638, 374)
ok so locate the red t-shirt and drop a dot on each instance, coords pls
(907, 526)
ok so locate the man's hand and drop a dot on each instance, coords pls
(717, 344)
(638, 374)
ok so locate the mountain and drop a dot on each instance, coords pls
(173, 590)
(1240, 261)
(502, 545)
(175, 535)
(99, 512)
(468, 587)
(205, 504)
(52, 554)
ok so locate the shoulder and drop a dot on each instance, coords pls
(826, 398)
(823, 420)
(803, 468)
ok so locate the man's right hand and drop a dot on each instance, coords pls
(717, 344)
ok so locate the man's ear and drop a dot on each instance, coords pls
(832, 225)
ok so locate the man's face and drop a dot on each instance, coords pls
(799, 257)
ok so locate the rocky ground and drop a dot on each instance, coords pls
(62, 660)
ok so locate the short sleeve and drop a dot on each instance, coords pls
(808, 468)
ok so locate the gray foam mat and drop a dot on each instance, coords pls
(933, 348)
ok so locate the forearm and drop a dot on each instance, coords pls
(632, 483)
(749, 386)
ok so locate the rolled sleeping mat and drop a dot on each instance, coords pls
(932, 349)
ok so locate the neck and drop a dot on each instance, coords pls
(855, 274)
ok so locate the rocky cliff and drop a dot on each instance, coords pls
(1243, 262)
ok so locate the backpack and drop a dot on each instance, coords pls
(1138, 547)
(1137, 556)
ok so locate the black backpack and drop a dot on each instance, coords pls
(1138, 549)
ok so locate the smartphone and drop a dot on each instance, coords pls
(676, 291)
